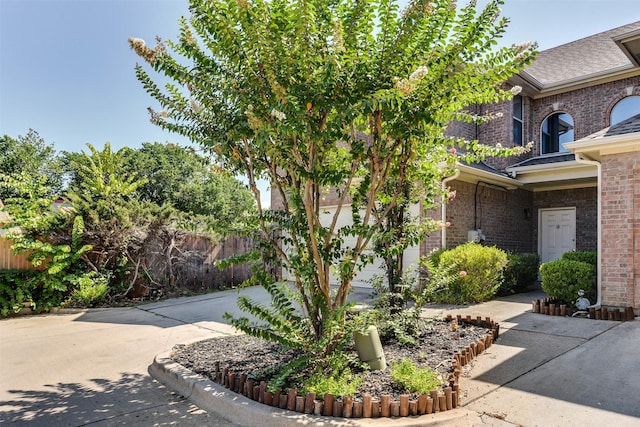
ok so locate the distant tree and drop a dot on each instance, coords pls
(189, 182)
(104, 194)
(166, 167)
(103, 175)
(220, 196)
(29, 154)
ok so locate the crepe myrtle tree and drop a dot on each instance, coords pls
(316, 96)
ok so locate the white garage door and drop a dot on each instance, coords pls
(366, 275)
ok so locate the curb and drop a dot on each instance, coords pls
(245, 412)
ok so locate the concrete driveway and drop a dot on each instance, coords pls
(90, 367)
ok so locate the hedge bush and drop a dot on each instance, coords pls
(477, 270)
(590, 257)
(520, 273)
(563, 278)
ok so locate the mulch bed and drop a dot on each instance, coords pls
(446, 345)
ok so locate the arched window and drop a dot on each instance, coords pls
(626, 108)
(556, 130)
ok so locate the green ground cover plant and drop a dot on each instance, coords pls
(15, 288)
(413, 378)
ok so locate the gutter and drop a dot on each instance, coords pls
(597, 164)
(489, 177)
(443, 208)
(541, 90)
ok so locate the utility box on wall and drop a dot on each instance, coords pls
(476, 236)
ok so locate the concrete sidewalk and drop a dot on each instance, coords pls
(90, 367)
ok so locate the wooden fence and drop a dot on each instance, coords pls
(9, 261)
(186, 259)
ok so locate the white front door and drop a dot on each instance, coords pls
(557, 232)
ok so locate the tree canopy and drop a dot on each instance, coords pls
(165, 174)
(189, 182)
(31, 155)
(112, 233)
(329, 94)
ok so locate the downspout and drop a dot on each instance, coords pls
(599, 226)
(443, 208)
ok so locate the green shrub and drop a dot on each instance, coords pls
(521, 271)
(415, 379)
(91, 288)
(477, 270)
(434, 255)
(590, 257)
(397, 315)
(562, 279)
(60, 264)
(15, 287)
(434, 285)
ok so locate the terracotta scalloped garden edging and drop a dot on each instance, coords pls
(550, 307)
(369, 406)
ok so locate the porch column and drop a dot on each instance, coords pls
(620, 244)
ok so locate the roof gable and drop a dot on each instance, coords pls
(594, 55)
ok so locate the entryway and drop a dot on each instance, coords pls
(556, 232)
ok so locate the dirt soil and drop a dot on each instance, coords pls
(438, 342)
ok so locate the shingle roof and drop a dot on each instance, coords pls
(542, 160)
(631, 125)
(486, 168)
(591, 55)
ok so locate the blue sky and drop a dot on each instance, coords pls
(66, 69)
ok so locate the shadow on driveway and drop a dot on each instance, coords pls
(131, 400)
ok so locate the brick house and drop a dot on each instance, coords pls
(579, 186)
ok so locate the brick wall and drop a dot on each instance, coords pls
(590, 108)
(499, 213)
(463, 129)
(621, 230)
(509, 219)
(585, 201)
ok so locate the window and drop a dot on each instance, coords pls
(517, 120)
(556, 130)
(626, 108)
